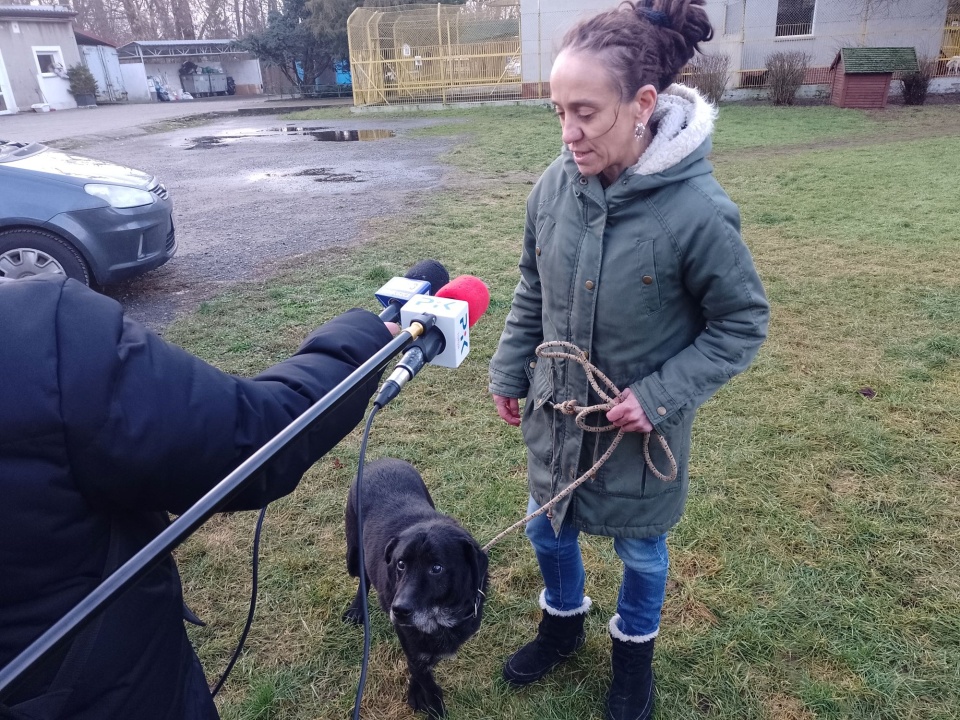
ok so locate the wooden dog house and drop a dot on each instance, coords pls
(862, 75)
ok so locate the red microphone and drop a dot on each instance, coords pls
(471, 290)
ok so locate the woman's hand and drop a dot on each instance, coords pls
(393, 328)
(628, 414)
(508, 409)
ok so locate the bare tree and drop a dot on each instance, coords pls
(106, 19)
(183, 27)
(135, 19)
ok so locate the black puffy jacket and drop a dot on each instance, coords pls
(104, 429)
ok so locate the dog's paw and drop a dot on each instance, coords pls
(353, 615)
(426, 697)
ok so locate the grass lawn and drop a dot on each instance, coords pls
(815, 573)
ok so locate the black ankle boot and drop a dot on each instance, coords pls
(631, 691)
(558, 638)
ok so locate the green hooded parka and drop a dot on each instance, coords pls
(651, 278)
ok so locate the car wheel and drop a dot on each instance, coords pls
(25, 253)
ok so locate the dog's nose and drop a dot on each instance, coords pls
(401, 611)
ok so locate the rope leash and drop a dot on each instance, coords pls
(569, 351)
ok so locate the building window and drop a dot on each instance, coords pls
(49, 61)
(795, 17)
(733, 18)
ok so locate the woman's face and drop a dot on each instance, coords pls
(596, 126)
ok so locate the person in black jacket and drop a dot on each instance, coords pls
(105, 428)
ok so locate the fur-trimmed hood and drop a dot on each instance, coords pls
(682, 121)
(682, 124)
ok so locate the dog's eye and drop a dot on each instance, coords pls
(401, 565)
(436, 569)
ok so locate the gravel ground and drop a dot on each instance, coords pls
(252, 194)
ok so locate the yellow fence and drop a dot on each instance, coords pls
(434, 53)
(950, 47)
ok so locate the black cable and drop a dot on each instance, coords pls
(363, 568)
(255, 562)
(363, 581)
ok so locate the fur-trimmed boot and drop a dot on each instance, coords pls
(559, 636)
(631, 691)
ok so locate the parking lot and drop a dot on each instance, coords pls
(251, 192)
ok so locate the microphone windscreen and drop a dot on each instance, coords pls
(471, 290)
(432, 272)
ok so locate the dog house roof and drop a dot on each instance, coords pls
(857, 60)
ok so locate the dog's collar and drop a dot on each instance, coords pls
(476, 604)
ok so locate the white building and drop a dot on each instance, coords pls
(36, 48)
(750, 30)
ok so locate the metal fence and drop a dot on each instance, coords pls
(493, 51)
(424, 53)
(950, 47)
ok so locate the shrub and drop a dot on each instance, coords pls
(708, 74)
(785, 74)
(81, 80)
(916, 84)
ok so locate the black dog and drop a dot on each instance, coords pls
(429, 573)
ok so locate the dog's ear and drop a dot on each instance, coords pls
(388, 551)
(477, 561)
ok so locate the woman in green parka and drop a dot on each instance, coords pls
(632, 252)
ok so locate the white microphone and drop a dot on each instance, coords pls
(451, 323)
(452, 311)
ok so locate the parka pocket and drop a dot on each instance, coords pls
(538, 422)
(649, 283)
(626, 474)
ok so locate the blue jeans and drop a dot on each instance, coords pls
(644, 582)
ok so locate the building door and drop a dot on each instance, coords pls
(7, 103)
(105, 66)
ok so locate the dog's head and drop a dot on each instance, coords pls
(439, 576)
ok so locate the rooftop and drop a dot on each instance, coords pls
(52, 12)
(858, 60)
(179, 48)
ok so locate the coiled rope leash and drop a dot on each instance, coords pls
(569, 351)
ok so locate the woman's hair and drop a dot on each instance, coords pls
(642, 43)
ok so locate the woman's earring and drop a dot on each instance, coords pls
(639, 130)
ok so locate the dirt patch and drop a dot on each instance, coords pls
(244, 211)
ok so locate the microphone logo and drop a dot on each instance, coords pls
(464, 336)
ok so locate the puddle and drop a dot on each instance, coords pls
(208, 141)
(324, 175)
(320, 133)
(327, 175)
(347, 135)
